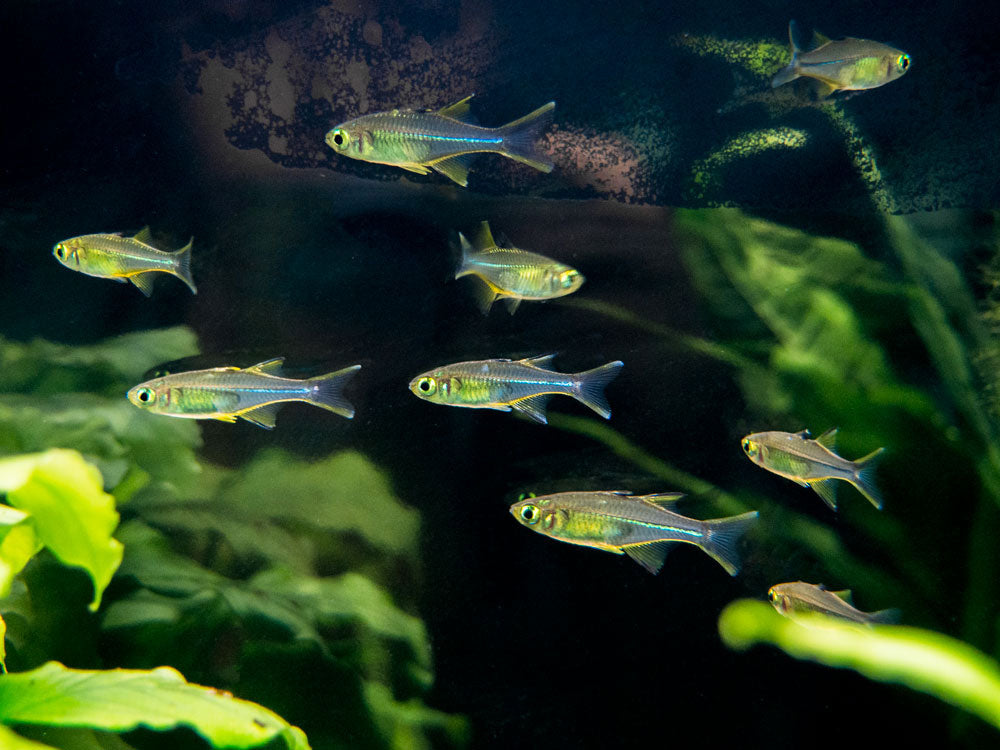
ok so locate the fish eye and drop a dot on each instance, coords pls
(903, 62)
(749, 446)
(145, 395)
(426, 386)
(530, 514)
(339, 138)
(772, 595)
(566, 279)
(60, 251)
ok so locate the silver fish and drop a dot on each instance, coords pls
(791, 599)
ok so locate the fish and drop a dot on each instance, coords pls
(115, 256)
(844, 65)
(252, 393)
(525, 385)
(513, 274)
(812, 463)
(444, 140)
(640, 526)
(791, 599)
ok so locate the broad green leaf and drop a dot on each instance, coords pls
(921, 659)
(18, 544)
(11, 740)
(71, 513)
(124, 699)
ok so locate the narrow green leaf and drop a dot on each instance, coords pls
(18, 543)
(122, 699)
(3, 646)
(920, 659)
(71, 513)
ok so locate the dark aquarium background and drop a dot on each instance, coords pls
(760, 260)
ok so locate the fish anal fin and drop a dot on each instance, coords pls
(650, 556)
(143, 281)
(828, 439)
(460, 110)
(533, 407)
(512, 303)
(225, 418)
(827, 490)
(455, 168)
(268, 366)
(144, 235)
(825, 88)
(484, 293)
(484, 237)
(419, 169)
(263, 416)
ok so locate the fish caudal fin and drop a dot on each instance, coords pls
(864, 477)
(466, 249)
(519, 138)
(590, 386)
(182, 267)
(722, 539)
(791, 72)
(329, 387)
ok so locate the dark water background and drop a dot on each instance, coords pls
(540, 644)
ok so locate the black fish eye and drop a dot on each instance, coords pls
(529, 513)
(338, 139)
(426, 385)
(145, 395)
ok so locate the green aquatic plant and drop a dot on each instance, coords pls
(920, 659)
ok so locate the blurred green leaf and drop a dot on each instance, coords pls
(410, 725)
(70, 512)
(121, 700)
(18, 544)
(920, 659)
(11, 740)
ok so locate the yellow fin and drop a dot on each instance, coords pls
(484, 237)
(415, 168)
(456, 168)
(268, 366)
(144, 235)
(263, 416)
(144, 281)
(457, 111)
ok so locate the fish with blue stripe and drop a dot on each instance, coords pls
(445, 140)
(252, 393)
(642, 527)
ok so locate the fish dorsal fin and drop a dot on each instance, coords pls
(663, 498)
(459, 110)
(484, 237)
(144, 235)
(826, 489)
(844, 595)
(541, 361)
(263, 416)
(512, 303)
(268, 366)
(534, 407)
(144, 282)
(650, 556)
(804, 434)
(828, 439)
(456, 168)
(818, 40)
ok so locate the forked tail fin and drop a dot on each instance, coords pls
(590, 386)
(789, 73)
(519, 137)
(723, 537)
(182, 267)
(864, 477)
(329, 391)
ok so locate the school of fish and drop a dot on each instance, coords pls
(446, 141)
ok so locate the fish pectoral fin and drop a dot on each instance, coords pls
(456, 168)
(419, 169)
(534, 407)
(144, 282)
(460, 110)
(225, 418)
(650, 556)
(268, 366)
(144, 235)
(826, 489)
(263, 416)
(828, 439)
